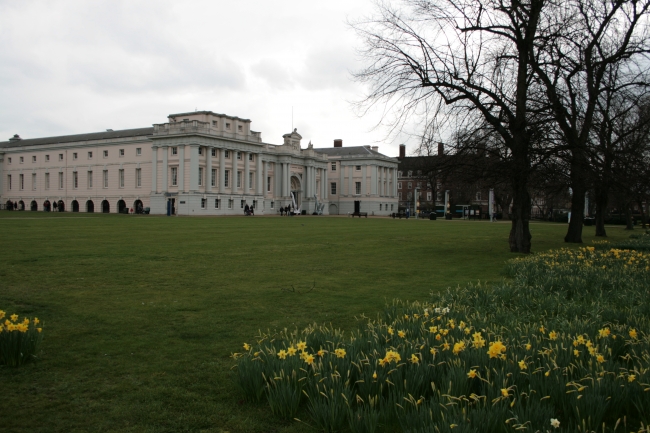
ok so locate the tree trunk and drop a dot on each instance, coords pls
(602, 197)
(578, 173)
(628, 217)
(520, 237)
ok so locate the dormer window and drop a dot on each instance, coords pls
(214, 123)
(240, 128)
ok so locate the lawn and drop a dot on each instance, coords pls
(142, 313)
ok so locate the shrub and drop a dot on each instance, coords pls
(566, 340)
(19, 340)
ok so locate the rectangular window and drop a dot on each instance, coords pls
(410, 173)
(230, 203)
(105, 176)
(121, 178)
(428, 196)
(75, 180)
(399, 185)
(60, 180)
(174, 176)
(239, 179)
(21, 179)
(242, 203)
(200, 150)
(272, 205)
(399, 195)
(174, 150)
(357, 167)
(333, 166)
(240, 128)
(250, 179)
(200, 176)
(90, 155)
(22, 159)
(217, 203)
(138, 151)
(226, 179)
(250, 157)
(214, 151)
(254, 204)
(391, 207)
(34, 158)
(213, 177)
(268, 184)
(410, 185)
(227, 154)
(9, 160)
(9, 181)
(90, 179)
(47, 157)
(239, 155)
(357, 187)
(379, 206)
(74, 156)
(106, 154)
(333, 188)
(214, 123)
(60, 157)
(227, 125)
(138, 177)
(47, 180)
(203, 202)
(121, 152)
(34, 181)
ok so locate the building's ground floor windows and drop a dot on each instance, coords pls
(272, 205)
(231, 202)
(379, 206)
(243, 203)
(391, 207)
(217, 203)
(203, 202)
(333, 188)
(226, 179)
(399, 195)
(357, 187)
(254, 204)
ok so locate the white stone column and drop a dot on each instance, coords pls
(222, 172)
(287, 179)
(181, 169)
(351, 189)
(373, 180)
(381, 182)
(342, 180)
(246, 184)
(165, 169)
(154, 169)
(233, 170)
(327, 183)
(265, 180)
(194, 167)
(260, 177)
(394, 186)
(277, 180)
(208, 169)
(364, 175)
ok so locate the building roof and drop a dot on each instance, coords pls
(124, 133)
(348, 151)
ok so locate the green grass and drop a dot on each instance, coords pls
(141, 314)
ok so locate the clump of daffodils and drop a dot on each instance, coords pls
(19, 339)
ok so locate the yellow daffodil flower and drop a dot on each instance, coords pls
(390, 330)
(433, 329)
(39, 329)
(604, 333)
(340, 353)
(301, 345)
(600, 359)
(282, 354)
(291, 351)
(576, 352)
(309, 359)
(415, 359)
(504, 392)
(529, 346)
(445, 346)
(401, 334)
(2, 314)
(320, 352)
(633, 333)
(522, 365)
(36, 321)
(496, 348)
(552, 335)
(459, 347)
(548, 373)
(631, 378)
(247, 347)
(374, 375)
(471, 374)
(14, 317)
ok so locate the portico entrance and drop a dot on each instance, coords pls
(296, 189)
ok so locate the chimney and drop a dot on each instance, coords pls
(375, 148)
(441, 149)
(16, 137)
(338, 143)
(402, 151)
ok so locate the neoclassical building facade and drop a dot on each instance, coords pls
(198, 163)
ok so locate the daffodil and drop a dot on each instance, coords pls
(576, 352)
(522, 365)
(320, 352)
(36, 321)
(374, 375)
(14, 317)
(2, 314)
(433, 329)
(291, 351)
(496, 348)
(555, 423)
(390, 330)
(633, 333)
(309, 359)
(471, 374)
(247, 347)
(528, 346)
(301, 345)
(552, 335)
(604, 333)
(631, 378)
(445, 346)
(282, 354)
(600, 359)
(459, 347)
(401, 334)
(504, 392)
(340, 353)
(415, 359)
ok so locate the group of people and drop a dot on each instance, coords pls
(286, 210)
(249, 210)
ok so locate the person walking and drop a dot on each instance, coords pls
(246, 210)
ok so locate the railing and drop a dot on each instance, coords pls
(203, 128)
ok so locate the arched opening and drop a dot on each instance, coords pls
(75, 206)
(61, 206)
(9, 205)
(21, 205)
(333, 209)
(47, 206)
(296, 192)
(106, 207)
(137, 206)
(33, 206)
(121, 205)
(90, 206)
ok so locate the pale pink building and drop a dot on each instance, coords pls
(198, 163)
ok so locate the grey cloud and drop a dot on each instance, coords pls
(274, 73)
(328, 69)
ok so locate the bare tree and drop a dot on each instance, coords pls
(582, 40)
(467, 58)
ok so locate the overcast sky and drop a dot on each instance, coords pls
(69, 67)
